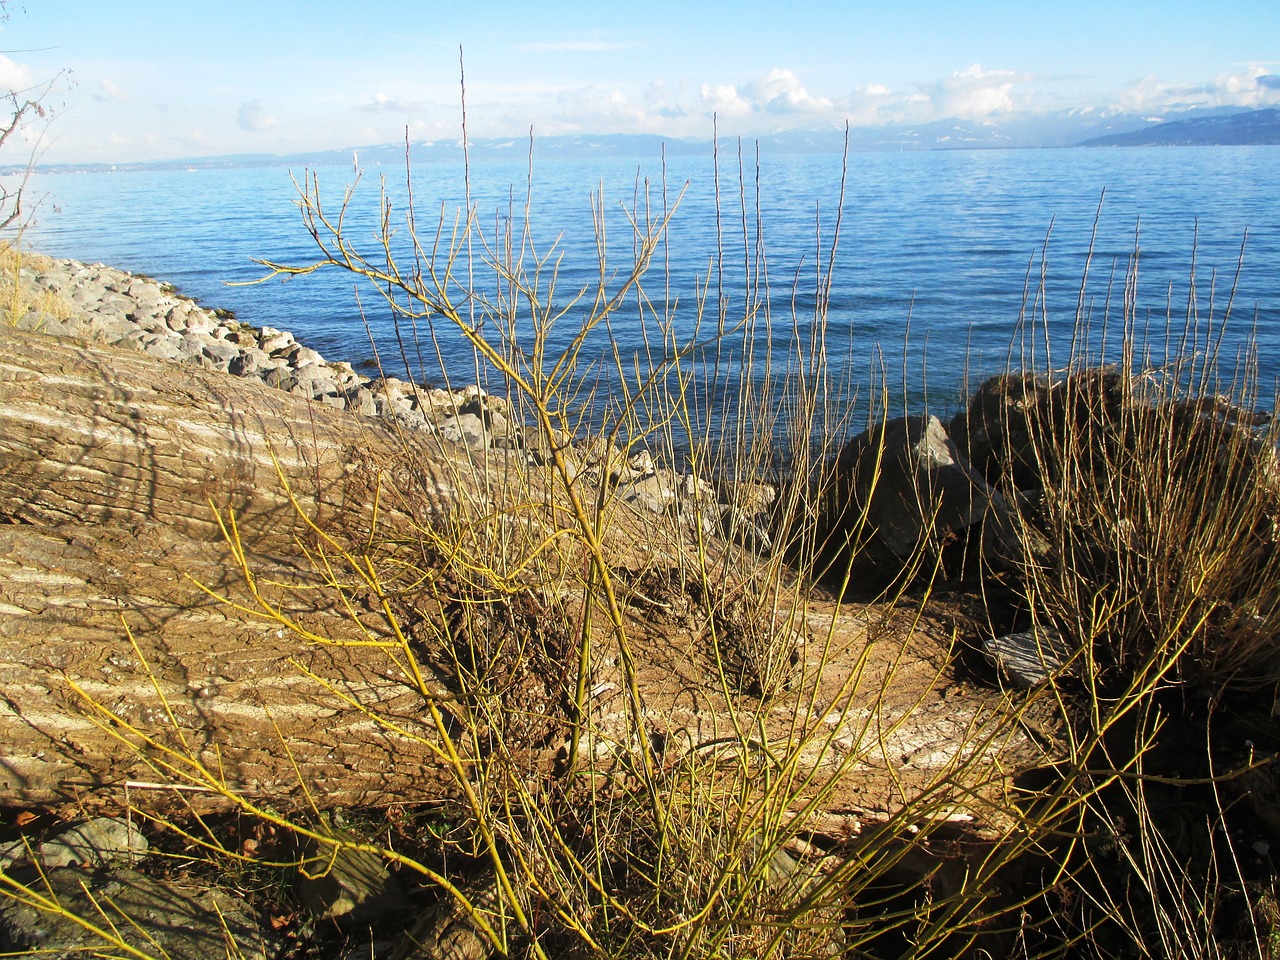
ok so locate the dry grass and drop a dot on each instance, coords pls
(17, 299)
(1152, 542)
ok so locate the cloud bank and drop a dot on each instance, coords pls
(781, 99)
(253, 117)
(14, 77)
(128, 121)
(1256, 87)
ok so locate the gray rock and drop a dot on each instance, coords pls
(151, 916)
(692, 488)
(109, 329)
(304, 356)
(275, 342)
(654, 493)
(139, 313)
(346, 883)
(448, 932)
(1010, 418)
(96, 842)
(249, 362)
(88, 295)
(641, 463)
(191, 347)
(402, 405)
(135, 339)
(219, 351)
(1031, 657)
(282, 378)
(143, 293)
(237, 333)
(154, 322)
(113, 304)
(410, 420)
(201, 321)
(539, 446)
(391, 389)
(465, 428)
(176, 318)
(361, 401)
(916, 489)
(166, 348)
(745, 530)
(315, 382)
(35, 321)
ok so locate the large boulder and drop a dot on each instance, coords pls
(1014, 425)
(903, 486)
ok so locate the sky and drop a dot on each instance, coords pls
(138, 80)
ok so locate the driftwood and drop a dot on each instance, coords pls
(110, 465)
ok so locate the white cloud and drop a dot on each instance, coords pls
(14, 77)
(1255, 87)
(596, 109)
(974, 92)
(780, 91)
(382, 103)
(869, 104)
(779, 99)
(724, 100)
(111, 90)
(663, 101)
(254, 118)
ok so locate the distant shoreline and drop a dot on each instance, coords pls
(1259, 127)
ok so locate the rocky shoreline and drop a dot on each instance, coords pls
(129, 310)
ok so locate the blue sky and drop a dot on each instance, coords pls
(154, 80)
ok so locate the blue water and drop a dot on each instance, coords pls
(937, 274)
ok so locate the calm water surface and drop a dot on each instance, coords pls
(940, 254)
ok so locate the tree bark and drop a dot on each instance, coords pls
(111, 466)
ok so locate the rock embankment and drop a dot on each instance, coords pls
(128, 310)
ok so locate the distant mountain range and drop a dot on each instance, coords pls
(1088, 128)
(1243, 128)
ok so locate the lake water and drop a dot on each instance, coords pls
(942, 258)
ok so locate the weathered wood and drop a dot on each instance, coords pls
(100, 434)
(109, 461)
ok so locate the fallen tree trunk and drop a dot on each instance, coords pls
(106, 435)
(111, 464)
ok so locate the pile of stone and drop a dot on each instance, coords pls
(119, 308)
